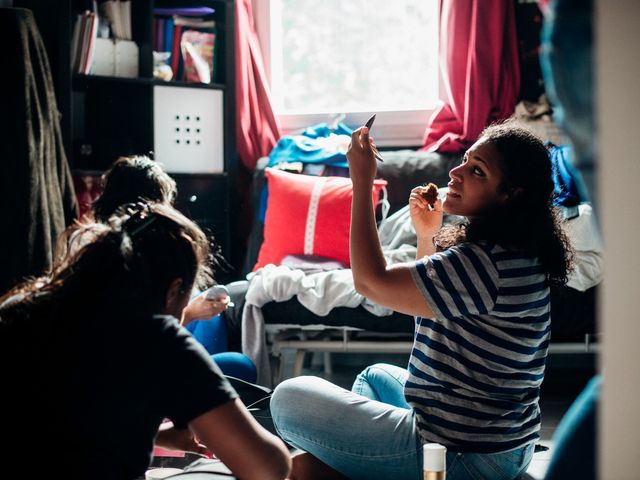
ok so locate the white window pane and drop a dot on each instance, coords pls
(353, 55)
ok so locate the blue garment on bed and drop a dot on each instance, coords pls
(569, 189)
(316, 144)
(567, 62)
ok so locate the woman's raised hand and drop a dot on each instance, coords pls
(426, 220)
(362, 162)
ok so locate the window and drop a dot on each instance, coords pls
(356, 57)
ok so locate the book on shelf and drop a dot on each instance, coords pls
(118, 13)
(97, 54)
(168, 37)
(185, 11)
(197, 49)
(84, 42)
(193, 22)
(158, 34)
(175, 57)
(188, 34)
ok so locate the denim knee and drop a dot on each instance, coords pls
(371, 370)
(375, 367)
(288, 396)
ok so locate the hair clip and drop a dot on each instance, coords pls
(142, 226)
(138, 212)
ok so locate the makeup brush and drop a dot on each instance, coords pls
(369, 124)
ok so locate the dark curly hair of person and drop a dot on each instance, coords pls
(127, 262)
(527, 220)
(132, 179)
(137, 178)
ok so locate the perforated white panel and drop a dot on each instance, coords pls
(188, 129)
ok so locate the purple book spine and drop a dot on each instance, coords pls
(186, 11)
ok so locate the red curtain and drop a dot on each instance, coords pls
(481, 73)
(544, 6)
(257, 129)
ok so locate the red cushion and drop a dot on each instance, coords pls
(307, 215)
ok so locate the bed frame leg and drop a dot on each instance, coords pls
(299, 362)
(328, 366)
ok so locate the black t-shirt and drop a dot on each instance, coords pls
(87, 397)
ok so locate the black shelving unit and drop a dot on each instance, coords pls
(104, 117)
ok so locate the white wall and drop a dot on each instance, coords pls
(618, 75)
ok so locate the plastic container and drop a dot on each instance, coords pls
(434, 461)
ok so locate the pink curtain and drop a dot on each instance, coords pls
(257, 129)
(479, 58)
(544, 6)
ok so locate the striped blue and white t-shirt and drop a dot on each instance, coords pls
(475, 370)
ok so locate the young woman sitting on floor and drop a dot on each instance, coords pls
(480, 294)
(93, 359)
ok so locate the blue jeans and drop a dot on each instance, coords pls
(212, 334)
(370, 432)
(236, 364)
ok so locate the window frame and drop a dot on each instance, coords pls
(400, 128)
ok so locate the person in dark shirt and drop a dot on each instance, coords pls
(93, 359)
(138, 178)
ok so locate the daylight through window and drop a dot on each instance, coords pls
(353, 55)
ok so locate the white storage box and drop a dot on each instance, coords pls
(188, 129)
(117, 58)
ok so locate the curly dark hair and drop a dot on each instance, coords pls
(131, 179)
(128, 263)
(527, 220)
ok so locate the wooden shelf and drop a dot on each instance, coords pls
(82, 81)
(104, 117)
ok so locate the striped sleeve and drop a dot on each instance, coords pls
(460, 281)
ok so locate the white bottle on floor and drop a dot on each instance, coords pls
(434, 461)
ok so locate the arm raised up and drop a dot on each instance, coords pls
(390, 286)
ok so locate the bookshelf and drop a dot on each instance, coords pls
(104, 116)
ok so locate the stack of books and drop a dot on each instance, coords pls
(101, 43)
(83, 43)
(188, 34)
(118, 13)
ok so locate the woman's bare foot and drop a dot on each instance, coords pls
(308, 467)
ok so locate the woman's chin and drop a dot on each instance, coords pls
(450, 207)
